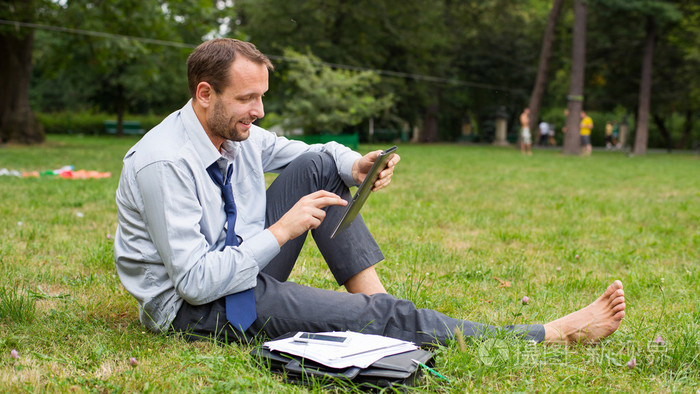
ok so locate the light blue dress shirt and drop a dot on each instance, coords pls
(170, 242)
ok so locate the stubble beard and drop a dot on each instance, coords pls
(224, 127)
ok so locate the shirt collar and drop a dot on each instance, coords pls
(206, 151)
(229, 149)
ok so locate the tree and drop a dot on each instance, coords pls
(657, 13)
(328, 100)
(123, 70)
(543, 68)
(444, 59)
(17, 120)
(117, 63)
(572, 141)
(620, 79)
(373, 34)
(685, 38)
(642, 133)
(496, 44)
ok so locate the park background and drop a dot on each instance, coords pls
(473, 227)
(410, 70)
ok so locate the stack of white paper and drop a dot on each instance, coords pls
(361, 351)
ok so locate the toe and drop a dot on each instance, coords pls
(609, 291)
(614, 301)
(619, 294)
(619, 308)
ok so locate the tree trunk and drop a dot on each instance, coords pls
(17, 120)
(661, 125)
(120, 108)
(430, 125)
(543, 68)
(642, 133)
(572, 140)
(687, 130)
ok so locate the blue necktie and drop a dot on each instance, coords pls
(240, 307)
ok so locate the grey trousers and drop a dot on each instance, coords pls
(284, 306)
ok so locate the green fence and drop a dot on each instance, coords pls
(352, 141)
(130, 127)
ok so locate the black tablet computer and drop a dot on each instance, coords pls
(353, 208)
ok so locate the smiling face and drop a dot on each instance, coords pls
(231, 113)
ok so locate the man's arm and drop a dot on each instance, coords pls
(177, 224)
(307, 214)
(278, 152)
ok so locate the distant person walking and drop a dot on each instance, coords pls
(615, 135)
(586, 128)
(525, 136)
(544, 133)
(609, 139)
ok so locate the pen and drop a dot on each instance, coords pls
(434, 372)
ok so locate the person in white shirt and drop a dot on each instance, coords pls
(544, 133)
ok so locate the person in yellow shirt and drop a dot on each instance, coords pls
(586, 127)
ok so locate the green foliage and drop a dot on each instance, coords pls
(484, 43)
(72, 122)
(663, 11)
(113, 72)
(677, 82)
(88, 123)
(488, 44)
(327, 100)
(18, 10)
(370, 34)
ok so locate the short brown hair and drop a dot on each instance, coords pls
(211, 60)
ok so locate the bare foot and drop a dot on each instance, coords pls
(592, 323)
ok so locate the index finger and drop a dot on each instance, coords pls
(323, 202)
(321, 193)
(324, 194)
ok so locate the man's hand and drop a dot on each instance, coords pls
(362, 166)
(307, 214)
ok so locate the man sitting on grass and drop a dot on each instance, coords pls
(207, 251)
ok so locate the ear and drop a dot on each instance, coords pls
(203, 94)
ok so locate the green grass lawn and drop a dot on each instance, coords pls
(455, 221)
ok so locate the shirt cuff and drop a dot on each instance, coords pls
(344, 164)
(263, 246)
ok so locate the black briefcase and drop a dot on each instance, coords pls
(391, 371)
